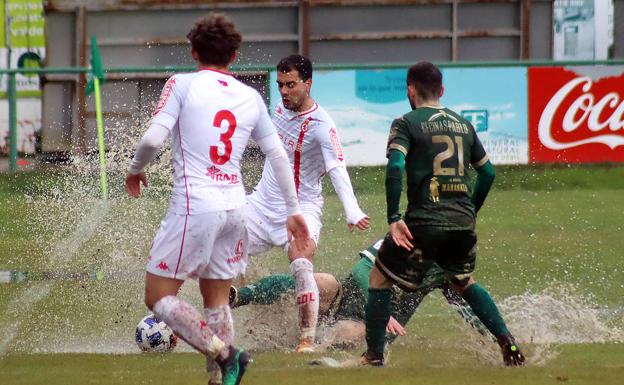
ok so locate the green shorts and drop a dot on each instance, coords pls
(349, 303)
(453, 250)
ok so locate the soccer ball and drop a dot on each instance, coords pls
(153, 335)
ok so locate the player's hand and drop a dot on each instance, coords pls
(401, 235)
(394, 327)
(298, 229)
(362, 224)
(133, 184)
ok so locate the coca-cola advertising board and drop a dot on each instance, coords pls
(576, 114)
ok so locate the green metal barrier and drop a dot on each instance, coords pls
(12, 90)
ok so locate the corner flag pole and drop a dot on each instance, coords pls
(100, 135)
(96, 75)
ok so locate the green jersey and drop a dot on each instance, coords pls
(439, 147)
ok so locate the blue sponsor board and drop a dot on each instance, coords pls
(364, 102)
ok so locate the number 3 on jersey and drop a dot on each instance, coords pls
(224, 138)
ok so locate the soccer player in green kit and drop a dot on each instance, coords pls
(435, 146)
(342, 301)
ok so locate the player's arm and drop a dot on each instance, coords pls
(485, 178)
(164, 119)
(342, 184)
(394, 184)
(398, 146)
(485, 171)
(336, 167)
(146, 151)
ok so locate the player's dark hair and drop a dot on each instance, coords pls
(215, 38)
(301, 64)
(426, 78)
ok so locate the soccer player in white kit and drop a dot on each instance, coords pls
(309, 136)
(210, 116)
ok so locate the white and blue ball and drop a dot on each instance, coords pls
(153, 335)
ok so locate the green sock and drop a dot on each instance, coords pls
(378, 308)
(266, 291)
(484, 307)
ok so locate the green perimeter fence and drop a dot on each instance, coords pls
(12, 85)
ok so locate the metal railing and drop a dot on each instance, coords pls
(13, 96)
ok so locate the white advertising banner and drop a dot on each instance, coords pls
(583, 29)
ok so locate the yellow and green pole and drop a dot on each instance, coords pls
(100, 136)
(12, 121)
(96, 75)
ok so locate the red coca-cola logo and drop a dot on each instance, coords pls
(576, 116)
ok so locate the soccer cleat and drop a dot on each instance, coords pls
(372, 359)
(512, 356)
(214, 372)
(306, 345)
(233, 300)
(233, 368)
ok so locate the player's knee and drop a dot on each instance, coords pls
(459, 283)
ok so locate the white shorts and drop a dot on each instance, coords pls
(209, 245)
(263, 233)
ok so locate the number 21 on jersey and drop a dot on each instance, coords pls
(448, 153)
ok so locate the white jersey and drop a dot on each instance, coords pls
(313, 148)
(210, 116)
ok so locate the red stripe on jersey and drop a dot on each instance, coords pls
(297, 160)
(181, 247)
(164, 96)
(188, 205)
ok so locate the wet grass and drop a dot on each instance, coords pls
(541, 226)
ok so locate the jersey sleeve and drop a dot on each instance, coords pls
(361, 275)
(331, 148)
(264, 125)
(478, 156)
(399, 138)
(169, 105)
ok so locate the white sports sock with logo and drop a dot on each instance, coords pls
(307, 295)
(188, 324)
(219, 320)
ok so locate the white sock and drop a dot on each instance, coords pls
(307, 294)
(188, 324)
(219, 320)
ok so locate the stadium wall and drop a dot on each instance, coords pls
(346, 35)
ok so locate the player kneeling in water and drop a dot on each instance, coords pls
(342, 301)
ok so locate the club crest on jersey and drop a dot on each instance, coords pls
(164, 96)
(217, 175)
(335, 141)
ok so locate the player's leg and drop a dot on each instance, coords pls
(264, 291)
(329, 289)
(186, 322)
(306, 288)
(227, 260)
(457, 256)
(378, 309)
(398, 266)
(171, 262)
(464, 310)
(268, 290)
(306, 294)
(345, 334)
